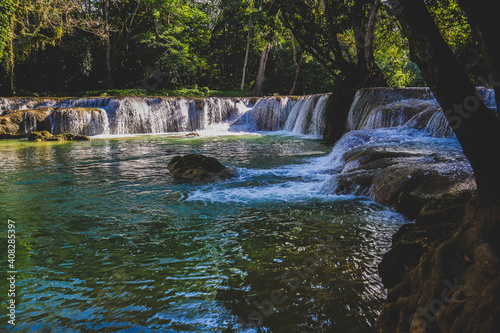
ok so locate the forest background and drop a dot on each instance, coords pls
(206, 47)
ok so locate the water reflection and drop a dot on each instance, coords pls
(107, 242)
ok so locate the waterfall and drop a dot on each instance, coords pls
(411, 107)
(11, 104)
(307, 116)
(127, 115)
(372, 108)
(268, 114)
(86, 121)
(369, 105)
(302, 115)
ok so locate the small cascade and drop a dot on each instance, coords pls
(394, 114)
(303, 115)
(30, 122)
(411, 107)
(131, 115)
(439, 126)
(205, 112)
(388, 107)
(307, 116)
(10, 104)
(86, 121)
(268, 114)
(90, 102)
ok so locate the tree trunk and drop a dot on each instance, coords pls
(484, 24)
(257, 91)
(476, 127)
(246, 53)
(370, 36)
(344, 90)
(337, 109)
(297, 64)
(456, 286)
(107, 46)
(7, 87)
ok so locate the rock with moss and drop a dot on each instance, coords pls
(46, 136)
(196, 167)
(19, 123)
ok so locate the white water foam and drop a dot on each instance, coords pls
(284, 192)
(289, 183)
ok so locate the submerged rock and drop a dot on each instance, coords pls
(198, 168)
(46, 136)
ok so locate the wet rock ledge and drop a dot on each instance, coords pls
(431, 183)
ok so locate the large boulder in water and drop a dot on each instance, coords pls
(198, 168)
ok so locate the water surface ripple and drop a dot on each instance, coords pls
(107, 242)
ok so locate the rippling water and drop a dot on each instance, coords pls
(107, 242)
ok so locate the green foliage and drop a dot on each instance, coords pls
(166, 47)
(457, 32)
(392, 54)
(184, 92)
(7, 8)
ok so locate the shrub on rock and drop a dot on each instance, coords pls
(46, 136)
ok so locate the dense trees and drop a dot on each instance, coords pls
(57, 47)
(63, 47)
(335, 33)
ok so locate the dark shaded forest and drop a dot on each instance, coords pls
(219, 47)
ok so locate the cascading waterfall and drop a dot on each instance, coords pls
(128, 115)
(9, 104)
(412, 107)
(372, 108)
(399, 140)
(302, 115)
(307, 116)
(268, 114)
(86, 121)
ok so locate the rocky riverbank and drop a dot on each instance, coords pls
(438, 261)
(442, 270)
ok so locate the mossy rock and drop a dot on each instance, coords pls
(46, 136)
(74, 137)
(42, 136)
(18, 123)
(196, 167)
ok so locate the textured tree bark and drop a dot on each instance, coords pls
(484, 24)
(365, 73)
(456, 286)
(476, 127)
(370, 36)
(246, 53)
(257, 91)
(107, 46)
(297, 64)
